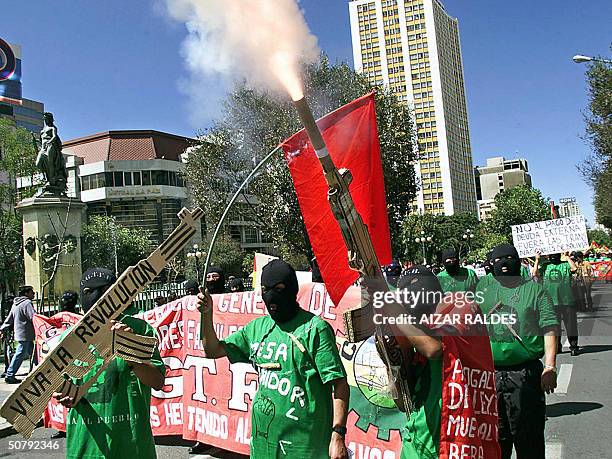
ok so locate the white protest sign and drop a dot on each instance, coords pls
(550, 236)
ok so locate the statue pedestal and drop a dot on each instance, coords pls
(48, 220)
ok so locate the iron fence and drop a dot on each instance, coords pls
(144, 301)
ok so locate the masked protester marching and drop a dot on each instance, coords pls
(450, 345)
(557, 280)
(215, 284)
(112, 419)
(456, 278)
(215, 280)
(518, 345)
(300, 408)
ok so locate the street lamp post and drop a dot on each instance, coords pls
(468, 236)
(580, 59)
(423, 239)
(197, 256)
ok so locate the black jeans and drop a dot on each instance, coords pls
(522, 410)
(567, 314)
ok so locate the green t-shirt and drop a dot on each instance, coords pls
(464, 281)
(533, 309)
(292, 411)
(112, 419)
(422, 438)
(525, 274)
(558, 282)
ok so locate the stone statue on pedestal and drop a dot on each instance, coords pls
(50, 160)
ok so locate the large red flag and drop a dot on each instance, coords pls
(352, 140)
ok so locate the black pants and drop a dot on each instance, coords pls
(567, 315)
(522, 410)
(588, 296)
(578, 291)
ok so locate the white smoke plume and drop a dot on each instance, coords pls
(261, 41)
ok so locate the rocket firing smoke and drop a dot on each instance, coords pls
(262, 41)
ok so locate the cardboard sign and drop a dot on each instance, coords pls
(25, 407)
(550, 236)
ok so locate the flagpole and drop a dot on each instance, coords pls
(229, 206)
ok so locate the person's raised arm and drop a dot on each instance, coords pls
(427, 345)
(536, 265)
(571, 262)
(213, 349)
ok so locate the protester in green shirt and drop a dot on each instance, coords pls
(456, 278)
(557, 280)
(421, 439)
(521, 380)
(301, 405)
(112, 421)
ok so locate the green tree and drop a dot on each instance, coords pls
(254, 123)
(102, 235)
(11, 253)
(597, 169)
(600, 237)
(17, 159)
(228, 255)
(521, 204)
(446, 231)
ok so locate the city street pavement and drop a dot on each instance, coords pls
(579, 413)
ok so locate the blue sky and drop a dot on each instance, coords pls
(116, 65)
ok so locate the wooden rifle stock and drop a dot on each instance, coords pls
(393, 348)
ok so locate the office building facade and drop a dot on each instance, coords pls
(498, 175)
(136, 176)
(413, 47)
(568, 207)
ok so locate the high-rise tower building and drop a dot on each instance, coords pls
(568, 207)
(412, 46)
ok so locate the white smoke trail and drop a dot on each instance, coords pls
(261, 41)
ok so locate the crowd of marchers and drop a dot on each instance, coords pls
(542, 294)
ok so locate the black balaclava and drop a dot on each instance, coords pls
(421, 280)
(192, 287)
(555, 258)
(451, 267)
(393, 272)
(217, 286)
(508, 258)
(488, 263)
(236, 285)
(69, 301)
(285, 300)
(94, 283)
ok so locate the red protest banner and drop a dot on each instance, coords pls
(602, 270)
(210, 400)
(48, 333)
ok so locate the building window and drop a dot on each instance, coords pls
(85, 183)
(146, 178)
(159, 177)
(137, 178)
(235, 233)
(250, 235)
(118, 178)
(127, 178)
